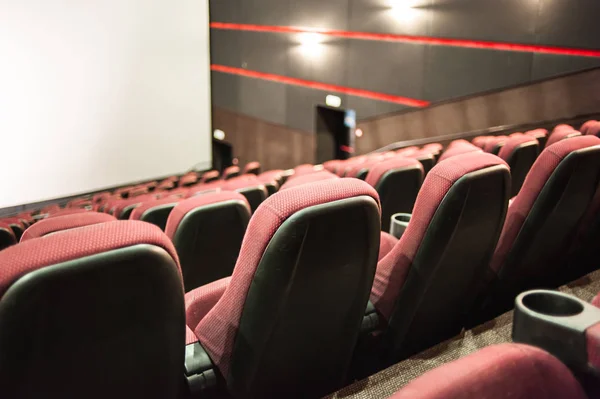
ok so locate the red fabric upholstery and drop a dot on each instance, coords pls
(188, 180)
(65, 212)
(503, 371)
(210, 175)
(66, 222)
(354, 168)
(537, 133)
(480, 141)
(165, 185)
(386, 244)
(585, 127)
(120, 206)
(494, 141)
(562, 126)
(592, 335)
(332, 165)
(377, 171)
(240, 182)
(14, 221)
(183, 207)
(190, 337)
(271, 175)
(433, 148)
(593, 129)
(138, 190)
(7, 231)
(310, 178)
(212, 186)
(230, 172)
(31, 255)
(137, 213)
(216, 330)
(303, 170)
(459, 149)
(200, 301)
(393, 268)
(561, 134)
(537, 177)
(50, 208)
(252, 167)
(100, 197)
(596, 300)
(512, 143)
(407, 151)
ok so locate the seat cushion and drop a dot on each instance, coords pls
(200, 301)
(59, 223)
(386, 244)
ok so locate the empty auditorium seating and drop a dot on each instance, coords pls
(519, 152)
(479, 141)
(407, 151)
(66, 211)
(309, 178)
(304, 169)
(497, 372)
(397, 181)
(188, 179)
(585, 126)
(287, 321)
(16, 225)
(494, 144)
(155, 211)
(252, 168)
(427, 159)
(428, 280)
(7, 236)
(99, 309)
(122, 209)
(230, 172)
(541, 135)
(434, 148)
(65, 222)
(543, 218)
(207, 232)
(50, 208)
(360, 169)
(250, 186)
(164, 185)
(458, 147)
(560, 134)
(204, 188)
(210, 176)
(333, 165)
(593, 129)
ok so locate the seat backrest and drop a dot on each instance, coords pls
(122, 209)
(64, 212)
(519, 152)
(252, 168)
(543, 217)
(310, 178)
(494, 144)
(287, 324)
(230, 172)
(99, 309)
(155, 211)
(497, 372)
(17, 226)
(585, 127)
(397, 181)
(427, 282)
(593, 129)
(560, 134)
(540, 134)
(207, 232)
(7, 236)
(66, 222)
(249, 186)
(459, 147)
(188, 179)
(211, 175)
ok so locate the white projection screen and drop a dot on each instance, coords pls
(101, 93)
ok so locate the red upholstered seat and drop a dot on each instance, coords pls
(64, 212)
(50, 208)
(155, 211)
(201, 300)
(407, 151)
(480, 141)
(519, 152)
(207, 231)
(232, 171)
(99, 309)
(166, 185)
(123, 208)
(543, 217)
(386, 244)
(66, 222)
(332, 165)
(397, 181)
(188, 179)
(17, 226)
(252, 168)
(101, 197)
(204, 188)
(458, 147)
(593, 129)
(309, 310)
(210, 176)
(503, 371)
(586, 126)
(250, 186)
(494, 144)
(562, 133)
(541, 135)
(275, 175)
(430, 274)
(309, 178)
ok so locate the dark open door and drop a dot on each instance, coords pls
(335, 133)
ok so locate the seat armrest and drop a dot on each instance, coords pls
(201, 300)
(370, 320)
(399, 223)
(200, 372)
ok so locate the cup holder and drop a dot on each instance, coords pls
(399, 223)
(555, 322)
(549, 304)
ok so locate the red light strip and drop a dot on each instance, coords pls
(528, 48)
(411, 102)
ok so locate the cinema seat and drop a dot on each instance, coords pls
(249, 186)
(275, 174)
(231, 172)
(310, 178)
(204, 188)
(7, 236)
(210, 176)
(593, 129)
(407, 151)
(397, 181)
(479, 141)
(304, 169)
(155, 211)
(188, 179)
(427, 159)
(66, 211)
(519, 152)
(288, 319)
(586, 126)
(165, 185)
(333, 165)
(494, 144)
(425, 284)
(434, 148)
(207, 232)
(270, 182)
(502, 371)
(50, 208)
(252, 168)
(65, 222)
(458, 147)
(16, 226)
(122, 209)
(541, 135)
(561, 134)
(99, 309)
(542, 220)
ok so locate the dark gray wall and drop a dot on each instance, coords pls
(426, 72)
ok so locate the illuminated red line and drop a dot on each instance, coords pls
(528, 48)
(411, 102)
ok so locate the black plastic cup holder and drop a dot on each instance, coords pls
(399, 224)
(557, 323)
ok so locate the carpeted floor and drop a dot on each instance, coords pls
(390, 380)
